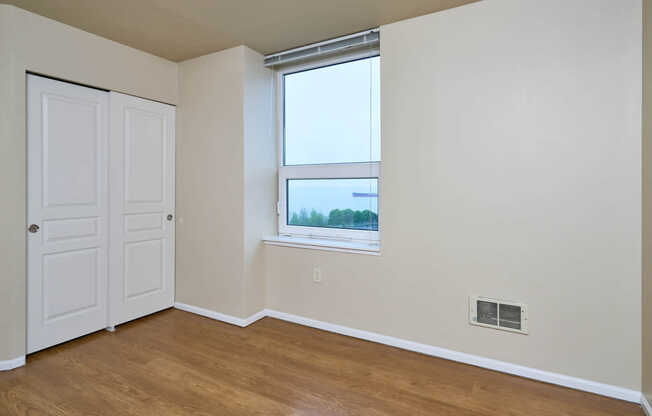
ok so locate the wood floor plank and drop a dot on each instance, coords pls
(176, 363)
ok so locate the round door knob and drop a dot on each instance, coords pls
(33, 228)
(170, 217)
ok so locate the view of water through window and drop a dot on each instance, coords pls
(333, 203)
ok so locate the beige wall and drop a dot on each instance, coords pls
(511, 169)
(259, 176)
(32, 43)
(647, 201)
(12, 202)
(225, 168)
(48, 47)
(210, 194)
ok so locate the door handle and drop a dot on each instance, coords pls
(170, 217)
(33, 228)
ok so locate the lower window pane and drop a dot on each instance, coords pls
(333, 203)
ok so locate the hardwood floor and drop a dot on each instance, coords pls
(176, 363)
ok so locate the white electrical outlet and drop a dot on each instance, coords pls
(316, 275)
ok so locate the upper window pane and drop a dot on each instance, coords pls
(332, 114)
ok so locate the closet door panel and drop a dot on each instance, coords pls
(67, 214)
(142, 207)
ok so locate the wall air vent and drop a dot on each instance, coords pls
(498, 314)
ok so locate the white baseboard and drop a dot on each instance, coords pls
(255, 317)
(532, 373)
(646, 405)
(11, 364)
(491, 364)
(221, 316)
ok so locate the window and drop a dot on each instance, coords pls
(352, 203)
(329, 131)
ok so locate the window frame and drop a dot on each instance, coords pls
(356, 170)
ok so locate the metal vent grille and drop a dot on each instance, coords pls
(498, 314)
(369, 39)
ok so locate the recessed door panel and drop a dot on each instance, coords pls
(71, 141)
(145, 158)
(67, 211)
(62, 272)
(73, 229)
(144, 263)
(144, 222)
(142, 207)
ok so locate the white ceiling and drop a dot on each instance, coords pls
(183, 29)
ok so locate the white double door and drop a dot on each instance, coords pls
(100, 210)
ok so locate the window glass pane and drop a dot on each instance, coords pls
(333, 203)
(332, 114)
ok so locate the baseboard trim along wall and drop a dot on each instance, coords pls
(11, 364)
(646, 405)
(488, 363)
(229, 319)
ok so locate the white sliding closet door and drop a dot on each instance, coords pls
(142, 207)
(67, 210)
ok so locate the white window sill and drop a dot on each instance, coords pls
(323, 244)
